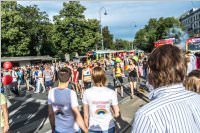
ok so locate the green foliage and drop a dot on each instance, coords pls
(72, 32)
(155, 30)
(122, 44)
(28, 31)
(107, 38)
(25, 30)
(14, 40)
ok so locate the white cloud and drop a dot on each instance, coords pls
(122, 14)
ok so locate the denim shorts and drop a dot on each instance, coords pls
(59, 132)
(48, 83)
(111, 130)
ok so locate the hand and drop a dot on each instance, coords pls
(85, 130)
(5, 128)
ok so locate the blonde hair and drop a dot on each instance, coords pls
(192, 81)
(99, 76)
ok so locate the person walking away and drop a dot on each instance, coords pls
(48, 77)
(86, 77)
(172, 108)
(140, 67)
(133, 76)
(80, 82)
(63, 106)
(41, 81)
(126, 63)
(75, 78)
(99, 102)
(144, 64)
(36, 72)
(14, 85)
(27, 78)
(122, 66)
(4, 114)
(192, 81)
(118, 80)
(19, 79)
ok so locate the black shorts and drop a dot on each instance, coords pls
(132, 79)
(120, 79)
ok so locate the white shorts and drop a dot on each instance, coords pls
(81, 83)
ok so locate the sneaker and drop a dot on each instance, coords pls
(36, 92)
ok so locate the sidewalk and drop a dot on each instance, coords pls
(128, 109)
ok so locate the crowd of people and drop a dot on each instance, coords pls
(172, 76)
(40, 78)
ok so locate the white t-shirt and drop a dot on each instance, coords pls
(40, 74)
(100, 100)
(14, 76)
(62, 101)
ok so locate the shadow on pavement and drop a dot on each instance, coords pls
(25, 116)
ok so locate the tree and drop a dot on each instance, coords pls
(122, 44)
(155, 30)
(38, 28)
(14, 40)
(107, 38)
(72, 32)
(25, 30)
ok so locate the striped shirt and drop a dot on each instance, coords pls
(172, 110)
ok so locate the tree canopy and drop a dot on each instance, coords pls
(25, 30)
(155, 30)
(28, 31)
(107, 38)
(72, 32)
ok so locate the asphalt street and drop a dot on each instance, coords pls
(29, 114)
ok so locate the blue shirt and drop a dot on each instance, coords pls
(36, 74)
(172, 110)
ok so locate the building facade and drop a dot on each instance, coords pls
(191, 21)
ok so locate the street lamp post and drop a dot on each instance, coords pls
(134, 27)
(105, 13)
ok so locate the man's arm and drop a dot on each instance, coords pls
(82, 75)
(5, 116)
(79, 119)
(51, 117)
(116, 111)
(86, 115)
(137, 70)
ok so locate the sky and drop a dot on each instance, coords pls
(122, 16)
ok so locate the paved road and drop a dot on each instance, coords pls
(28, 113)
